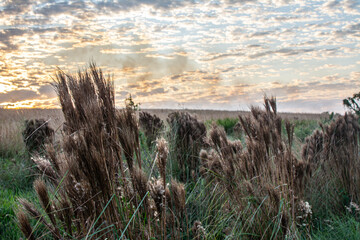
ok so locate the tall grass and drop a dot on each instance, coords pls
(104, 181)
(95, 187)
(11, 141)
(187, 137)
(152, 126)
(264, 181)
(334, 153)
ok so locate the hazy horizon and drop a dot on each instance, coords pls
(221, 55)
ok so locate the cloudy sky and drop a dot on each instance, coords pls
(223, 54)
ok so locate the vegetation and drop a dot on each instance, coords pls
(108, 178)
(36, 134)
(151, 125)
(352, 103)
(228, 124)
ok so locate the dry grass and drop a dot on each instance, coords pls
(90, 191)
(94, 184)
(152, 126)
(205, 115)
(53, 116)
(12, 125)
(11, 141)
(265, 171)
(187, 134)
(334, 152)
(36, 134)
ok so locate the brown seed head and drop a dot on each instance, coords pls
(162, 154)
(25, 226)
(178, 191)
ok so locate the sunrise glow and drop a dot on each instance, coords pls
(186, 54)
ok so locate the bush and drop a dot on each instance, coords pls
(352, 103)
(228, 124)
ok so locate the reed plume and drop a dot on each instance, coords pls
(187, 134)
(96, 194)
(265, 170)
(152, 126)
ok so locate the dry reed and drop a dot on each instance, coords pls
(334, 151)
(96, 194)
(36, 134)
(187, 134)
(266, 171)
(152, 126)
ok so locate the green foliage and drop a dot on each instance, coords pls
(8, 205)
(228, 124)
(304, 128)
(353, 102)
(130, 103)
(16, 173)
(343, 227)
(16, 177)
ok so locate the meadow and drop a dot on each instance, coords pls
(161, 174)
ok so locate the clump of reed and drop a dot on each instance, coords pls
(334, 151)
(36, 134)
(88, 190)
(152, 126)
(187, 135)
(264, 181)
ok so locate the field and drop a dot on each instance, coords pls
(189, 174)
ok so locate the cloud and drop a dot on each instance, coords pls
(152, 92)
(219, 53)
(332, 4)
(282, 51)
(124, 5)
(48, 91)
(224, 55)
(18, 95)
(55, 8)
(6, 36)
(16, 6)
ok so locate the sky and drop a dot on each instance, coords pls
(194, 54)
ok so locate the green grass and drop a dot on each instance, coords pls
(16, 178)
(304, 128)
(16, 173)
(8, 204)
(345, 227)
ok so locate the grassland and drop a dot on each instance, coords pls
(123, 175)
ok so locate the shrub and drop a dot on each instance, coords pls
(228, 124)
(352, 103)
